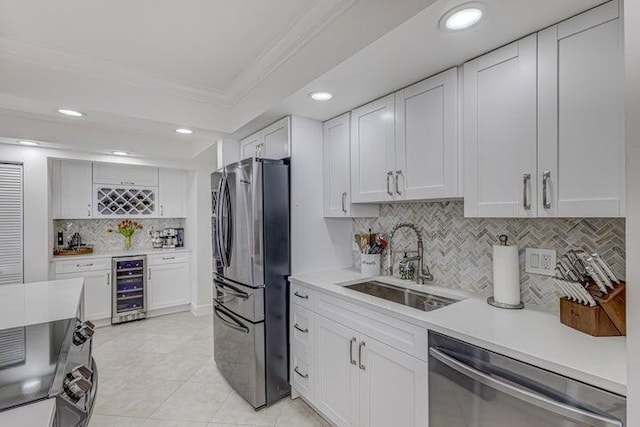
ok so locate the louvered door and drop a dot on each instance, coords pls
(11, 253)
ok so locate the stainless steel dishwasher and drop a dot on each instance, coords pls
(473, 387)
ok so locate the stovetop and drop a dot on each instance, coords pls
(32, 361)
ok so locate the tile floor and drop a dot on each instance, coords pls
(160, 372)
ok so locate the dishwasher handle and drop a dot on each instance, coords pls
(524, 395)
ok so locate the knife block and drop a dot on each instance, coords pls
(607, 319)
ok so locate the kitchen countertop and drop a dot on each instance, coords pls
(531, 335)
(39, 302)
(38, 414)
(111, 254)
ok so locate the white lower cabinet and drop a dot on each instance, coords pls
(97, 292)
(351, 378)
(168, 283)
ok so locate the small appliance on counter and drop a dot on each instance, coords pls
(506, 276)
(50, 361)
(168, 238)
(129, 300)
(74, 246)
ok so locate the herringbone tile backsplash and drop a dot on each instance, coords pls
(458, 249)
(94, 232)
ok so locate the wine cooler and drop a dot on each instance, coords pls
(129, 289)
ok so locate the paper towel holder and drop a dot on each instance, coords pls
(491, 301)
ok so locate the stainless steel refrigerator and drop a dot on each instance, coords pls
(251, 247)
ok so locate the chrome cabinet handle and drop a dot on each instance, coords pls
(161, 210)
(389, 175)
(108, 279)
(398, 175)
(88, 209)
(344, 202)
(300, 295)
(168, 258)
(149, 275)
(305, 376)
(525, 195)
(351, 343)
(304, 331)
(530, 397)
(127, 183)
(360, 347)
(546, 175)
(89, 264)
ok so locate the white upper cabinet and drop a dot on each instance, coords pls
(581, 168)
(373, 151)
(500, 127)
(72, 189)
(336, 171)
(272, 142)
(427, 139)
(172, 193)
(121, 174)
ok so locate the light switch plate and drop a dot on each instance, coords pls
(540, 261)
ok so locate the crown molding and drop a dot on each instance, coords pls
(300, 32)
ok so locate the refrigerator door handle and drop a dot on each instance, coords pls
(233, 323)
(218, 236)
(535, 399)
(228, 235)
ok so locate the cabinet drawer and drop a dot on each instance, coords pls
(302, 374)
(303, 296)
(82, 265)
(410, 339)
(170, 258)
(302, 329)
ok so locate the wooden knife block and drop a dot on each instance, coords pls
(607, 319)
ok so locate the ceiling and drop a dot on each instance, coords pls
(143, 68)
(417, 49)
(140, 69)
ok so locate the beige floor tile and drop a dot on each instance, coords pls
(237, 411)
(296, 413)
(171, 423)
(131, 365)
(133, 397)
(109, 421)
(177, 367)
(208, 373)
(163, 343)
(194, 402)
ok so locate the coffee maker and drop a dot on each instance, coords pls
(167, 238)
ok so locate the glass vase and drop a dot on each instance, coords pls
(127, 243)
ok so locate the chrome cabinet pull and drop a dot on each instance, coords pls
(168, 258)
(305, 376)
(351, 343)
(300, 295)
(304, 331)
(344, 202)
(398, 175)
(533, 398)
(161, 210)
(89, 264)
(525, 195)
(360, 347)
(108, 279)
(88, 209)
(149, 275)
(389, 175)
(546, 175)
(127, 183)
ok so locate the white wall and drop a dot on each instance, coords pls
(632, 93)
(317, 243)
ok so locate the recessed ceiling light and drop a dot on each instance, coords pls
(120, 153)
(29, 143)
(184, 131)
(71, 113)
(462, 17)
(321, 95)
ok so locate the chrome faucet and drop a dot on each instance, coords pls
(422, 274)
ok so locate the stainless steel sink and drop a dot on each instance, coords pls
(420, 300)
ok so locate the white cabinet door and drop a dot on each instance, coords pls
(500, 125)
(249, 146)
(373, 151)
(336, 153)
(11, 224)
(393, 387)
(97, 293)
(121, 174)
(336, 374)
(172, 193)
(168, 285)
(72, 188)
(275, 140)
(580, 111)
(427, 139)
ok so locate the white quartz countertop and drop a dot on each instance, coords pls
(38, 414)
(533, 336)
(111, 254)
(39, 302)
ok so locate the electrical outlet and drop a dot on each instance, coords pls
(540, 261)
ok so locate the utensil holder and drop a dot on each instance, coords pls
(607, 319)
(370, 264)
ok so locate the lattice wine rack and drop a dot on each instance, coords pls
(126, 201)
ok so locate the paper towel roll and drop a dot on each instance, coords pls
(506, 274)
